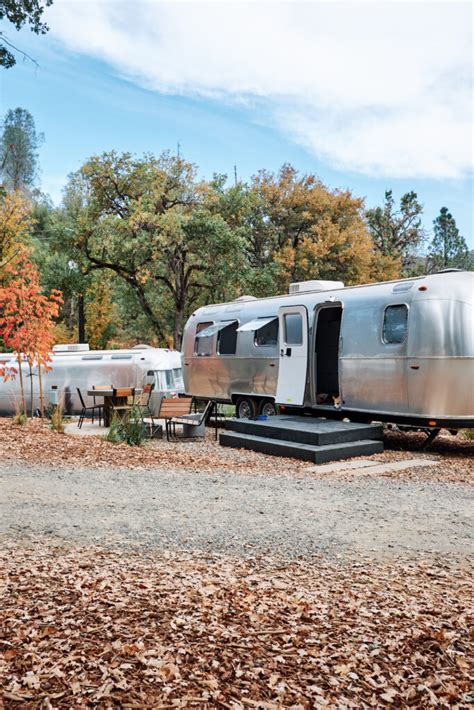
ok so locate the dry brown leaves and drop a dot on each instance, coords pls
(36, 443)
(88, 628)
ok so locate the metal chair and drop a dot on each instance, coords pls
(92, 408)
(193, 420)
(143, 403)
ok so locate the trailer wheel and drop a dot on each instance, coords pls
(245, 408)
(268, 408)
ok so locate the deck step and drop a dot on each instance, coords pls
(306, 430)
(298, 450)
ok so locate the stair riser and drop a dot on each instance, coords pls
(304, 437)
(292, 450)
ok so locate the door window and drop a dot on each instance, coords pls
(395, 323)
(293, 329)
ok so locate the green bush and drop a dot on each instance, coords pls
(128, 429)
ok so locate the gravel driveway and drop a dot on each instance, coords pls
(231, 513)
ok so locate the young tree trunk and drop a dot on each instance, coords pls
(81, 320)
(31, 392)
(40, 381)
(22, 386)
(177, 332)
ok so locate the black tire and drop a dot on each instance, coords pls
(245, 408)
(268, 408)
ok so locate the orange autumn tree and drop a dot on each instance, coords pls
(27, 321)
(15, 225)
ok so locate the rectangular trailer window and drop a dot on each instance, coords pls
(227, 339)
(178, 377)
(203, 346)
(293, 329)
(395, 322)
(165, 380)
(267, 335)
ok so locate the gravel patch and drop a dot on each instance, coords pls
(230, 513)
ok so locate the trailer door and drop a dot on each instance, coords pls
(293, 343)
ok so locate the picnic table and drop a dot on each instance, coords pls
(110, 400)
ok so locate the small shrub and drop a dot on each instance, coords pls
(57, 421)
(20, 418)
(128, 430)
(468, 434)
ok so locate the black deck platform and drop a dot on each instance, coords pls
(312, 439)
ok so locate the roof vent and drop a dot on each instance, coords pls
(244, 298)
(143, 346)
(71, 348)
(308, 286)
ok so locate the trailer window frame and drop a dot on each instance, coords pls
(235, 323)
(286, 333)
(273, 344)
(199, 327)
(406, 308)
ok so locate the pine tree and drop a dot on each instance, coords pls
(19, 144)
(448, 248)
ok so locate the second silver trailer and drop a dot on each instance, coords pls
(75, 366)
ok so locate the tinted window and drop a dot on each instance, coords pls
(268, 335)
(203, 346)
(293, 329)
(395, 321)
(227, 339)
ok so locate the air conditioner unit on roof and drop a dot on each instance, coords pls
(308, 286)
(71, 348)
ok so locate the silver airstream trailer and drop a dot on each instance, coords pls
(76, 366)
(400, 351)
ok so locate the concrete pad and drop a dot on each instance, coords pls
(366, 467)
(343, 466)
(397, 466)
(87, 429)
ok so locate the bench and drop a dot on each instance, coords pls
(178, 411)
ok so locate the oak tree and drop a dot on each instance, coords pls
(20, 13)
(150, 222)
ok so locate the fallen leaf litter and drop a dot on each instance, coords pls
(87, 627)
(36, 443)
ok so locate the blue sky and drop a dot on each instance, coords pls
(195, 74)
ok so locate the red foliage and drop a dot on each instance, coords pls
(26, 315)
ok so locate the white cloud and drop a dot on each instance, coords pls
(374, 87)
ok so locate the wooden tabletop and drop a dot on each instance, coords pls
(109, 392)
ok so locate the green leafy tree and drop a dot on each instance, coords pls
(20, 13)
(150, 222)
(397, 233)
(61, 265)
(448, 249)
(245, 212)
(19, 145)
